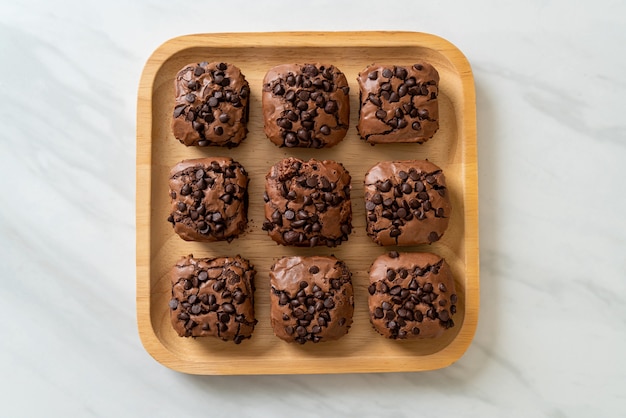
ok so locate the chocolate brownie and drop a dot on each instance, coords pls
(311, 299)
(406, 203)
(209, 199)
(213, 297)
(411, 295)
(398, 104)
(211, 105)
(306, 105)
(307, 203)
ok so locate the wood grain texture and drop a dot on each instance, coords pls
(453, 148)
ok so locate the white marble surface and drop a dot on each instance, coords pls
(552, 153)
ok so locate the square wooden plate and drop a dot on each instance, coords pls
(453, 148)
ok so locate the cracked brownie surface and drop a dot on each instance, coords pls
(211, 105)
(311, 299)
(398, 103)
(411, 295)
(209, 199)
(307, 203)
(305, 105)
(213, 297)
(406, 203)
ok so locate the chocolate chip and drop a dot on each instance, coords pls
(330, 107)
(385, 186)
(289, 214)
(283, 299)
(393, 254)
(444, 315)
(453, 298)
(284, 123)
(375, 100)
(224, 117)
(381, 114)
(198, 71)
(310, 70)
(387, 73)
(442, 287)
(373, 75)
(291, 236)
(213, 102)
(432, 237)
(314, 269)
(178, 110)
(173, 304)
(278, 90)
(401, 73)
(325, 130)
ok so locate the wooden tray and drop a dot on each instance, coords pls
(453, 148)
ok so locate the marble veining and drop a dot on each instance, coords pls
(552, 146)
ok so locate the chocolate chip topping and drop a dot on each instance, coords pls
(308, 203)
(311, 299)
(209, 199)
(211, 105)
(305, 105)
(398, 103)
(213, 297)
(406, 203)
(411, 295)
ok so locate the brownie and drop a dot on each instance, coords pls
(398, 104)
(411, 295)
(209, 199)
(406, 203)
(307, 203)
(305, 105)
(311, 299)
(211, 105)
(213, 297)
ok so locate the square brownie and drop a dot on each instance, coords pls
(306, 105)
(411, 295)
(311, 299)
(406, 203)
(209, 199)
(213, 297)
(398, 104)
(307, 203)
(211, 105)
